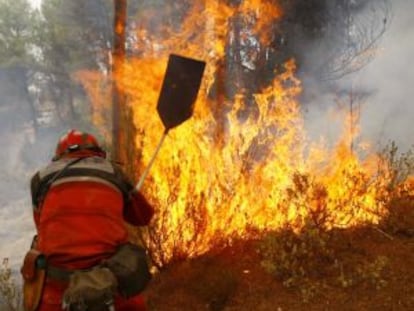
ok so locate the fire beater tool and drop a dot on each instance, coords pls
(178, 94)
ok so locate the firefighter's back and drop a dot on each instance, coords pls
(81, 223)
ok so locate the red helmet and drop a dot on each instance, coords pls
(77, 141)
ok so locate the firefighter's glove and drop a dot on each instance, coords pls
(130, 267)
(91, 290)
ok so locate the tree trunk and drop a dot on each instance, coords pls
(123, 129)
(118, 97)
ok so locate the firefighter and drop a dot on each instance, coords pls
(81, 258)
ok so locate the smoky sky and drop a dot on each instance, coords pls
(386, 108)
(389, 112)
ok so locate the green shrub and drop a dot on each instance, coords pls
(298, 259)
(401, 164)
(312, 260)
(400, 208)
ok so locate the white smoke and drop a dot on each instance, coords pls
(389, 112)
(385, 109)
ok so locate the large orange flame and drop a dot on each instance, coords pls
(264, 174)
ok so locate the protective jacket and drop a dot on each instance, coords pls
(80, 204)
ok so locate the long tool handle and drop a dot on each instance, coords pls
(144, 175)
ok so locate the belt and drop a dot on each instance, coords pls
(60, 274)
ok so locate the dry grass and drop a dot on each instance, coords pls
(10, 292)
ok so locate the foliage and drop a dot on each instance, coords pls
(402, 164)
(369, 272)
(313, 260)
(17, 57)
(400, 217)
(296, 254)
(296, 259)
(71, 35)
(75, 34)
(10, 293)
(16, 35)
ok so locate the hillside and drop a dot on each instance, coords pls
(366, 268)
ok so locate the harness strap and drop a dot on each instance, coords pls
(60, 274)
(45, 187)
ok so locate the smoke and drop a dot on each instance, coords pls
(35, 3)
(389, 112)
(14, 119)
(380, 91)
(22, 153)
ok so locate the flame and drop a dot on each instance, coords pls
(97, 87)
(258, 172)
